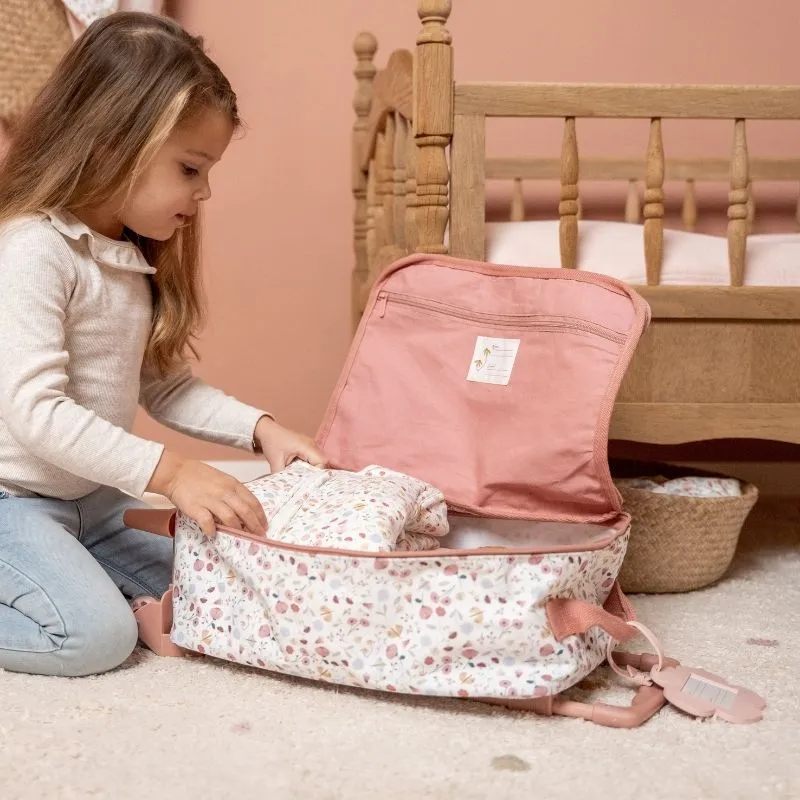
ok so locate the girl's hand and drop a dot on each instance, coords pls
(281, 446)
(208, 495)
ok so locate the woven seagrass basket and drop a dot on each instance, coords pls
(34, 35)
(678, 543)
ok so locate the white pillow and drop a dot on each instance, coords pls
(617, 249)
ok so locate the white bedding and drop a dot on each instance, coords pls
(617, 249)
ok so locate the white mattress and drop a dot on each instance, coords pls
(617, 249)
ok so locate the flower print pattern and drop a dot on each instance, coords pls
(447, 624)
(375, 509)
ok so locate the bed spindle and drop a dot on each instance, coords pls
(385, 186)
(411, 192)
(654, 204)
(371, 237)
(632, 206)
(375, 216)
(365, 46)
(751, 208)
(568, 207)
(737, 205)
(467, 187)
(689, 210)
(399, 180)
(433, 122)
(517, 201)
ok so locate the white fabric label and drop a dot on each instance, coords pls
(493, 360)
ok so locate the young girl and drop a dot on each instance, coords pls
(99, 303)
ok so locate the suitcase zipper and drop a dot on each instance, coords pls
(613, 533)
(383, 298)
(538, 322)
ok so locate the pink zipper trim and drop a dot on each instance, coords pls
(621, 527)
(531, 321)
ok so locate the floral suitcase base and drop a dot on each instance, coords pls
(443, 623)
(434, 624)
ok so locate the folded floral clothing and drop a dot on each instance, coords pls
(375, 509)
(689, 486)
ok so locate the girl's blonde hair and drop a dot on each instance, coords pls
(95, 126)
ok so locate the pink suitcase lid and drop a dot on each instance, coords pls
(496, 384)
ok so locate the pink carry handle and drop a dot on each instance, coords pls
(570, 616)
(160, 521)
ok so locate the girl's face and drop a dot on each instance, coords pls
(170, 190)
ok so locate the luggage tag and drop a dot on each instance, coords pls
(695, 691)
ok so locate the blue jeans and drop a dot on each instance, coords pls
(67, 572)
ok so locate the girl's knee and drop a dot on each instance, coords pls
(101, 640)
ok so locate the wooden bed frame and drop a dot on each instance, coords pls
(690, 171)
(717, 363)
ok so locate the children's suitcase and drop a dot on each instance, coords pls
(496, 385)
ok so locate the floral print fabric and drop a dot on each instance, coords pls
(375, 509)
(440, 623)
(689, 486)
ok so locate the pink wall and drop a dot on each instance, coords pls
(278, 229)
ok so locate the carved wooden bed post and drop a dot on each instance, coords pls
(568, 207)
(654, 205)
(365, 47)
(738, 205)
(433, 122)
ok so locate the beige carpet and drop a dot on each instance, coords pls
(163, 728)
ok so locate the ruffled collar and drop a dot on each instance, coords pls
(110, 252)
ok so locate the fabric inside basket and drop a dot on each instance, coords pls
(688, 486)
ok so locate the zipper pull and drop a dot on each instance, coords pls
(383, 299)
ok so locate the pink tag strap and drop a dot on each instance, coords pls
(638, 677)
(569, 616)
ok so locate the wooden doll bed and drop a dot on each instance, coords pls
(719, 362)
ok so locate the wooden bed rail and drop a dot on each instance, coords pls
(690, 171)
(469, 162)
(676, 169)
(627, 101)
